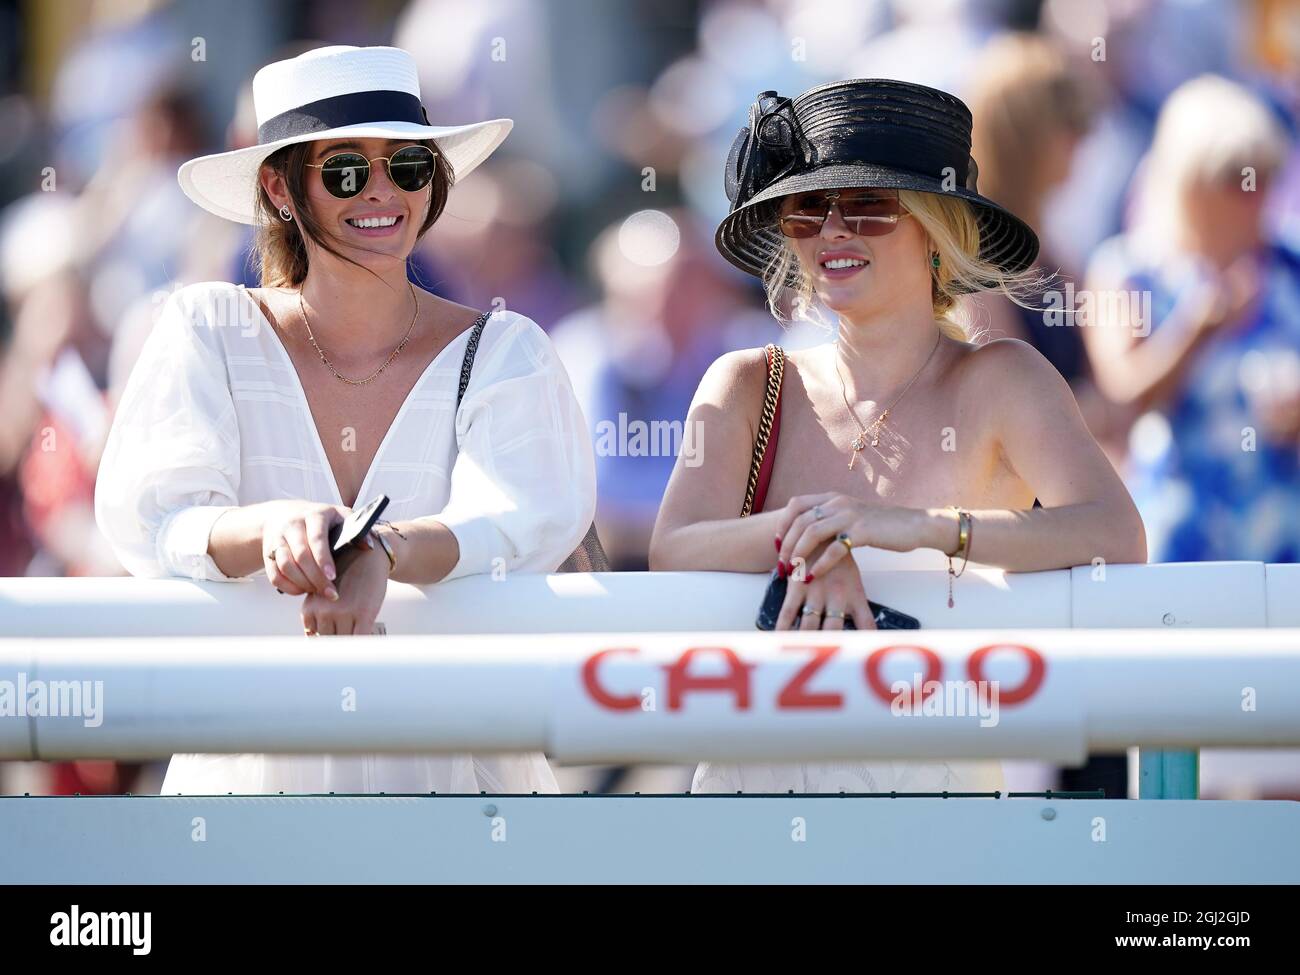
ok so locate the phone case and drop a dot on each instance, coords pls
(887, 618)
(356, 524)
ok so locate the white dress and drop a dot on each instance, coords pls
(875, 776)
(213, 416)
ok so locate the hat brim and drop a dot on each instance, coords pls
(749, 237)
(225, 183)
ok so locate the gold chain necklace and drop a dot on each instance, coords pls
(401, 345)
(860, 442)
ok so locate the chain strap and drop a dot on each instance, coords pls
(776, 357)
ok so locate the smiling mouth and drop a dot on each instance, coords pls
(843, 263)
(373, 223)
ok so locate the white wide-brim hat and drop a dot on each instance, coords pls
(364, 92)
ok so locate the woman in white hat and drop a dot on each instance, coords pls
(257, 419)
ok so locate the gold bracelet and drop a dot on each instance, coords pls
(964, 523)
(389, 524)
(388, 550)
(963, 531)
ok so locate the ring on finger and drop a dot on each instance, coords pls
(810, 611)
(833, 614)
(844, 539)
(818, 514)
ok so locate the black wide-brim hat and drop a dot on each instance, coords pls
(865, 132)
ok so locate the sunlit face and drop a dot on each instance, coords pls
(1223, 217)
(860, 274)
(381, 220)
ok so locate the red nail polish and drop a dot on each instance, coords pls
(778, 544)
(780, 568)
(809, 577)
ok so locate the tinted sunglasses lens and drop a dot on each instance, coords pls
(411, 168)
(868, 214)
(805, 215)
(799, 225)
(871, 214)
(346, 174)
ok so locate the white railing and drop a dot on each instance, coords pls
(1167, 596)
(1209, 655)
(637, 697)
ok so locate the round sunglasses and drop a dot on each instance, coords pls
(868, 213)
(345, 174)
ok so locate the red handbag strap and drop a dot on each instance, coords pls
(775, 375)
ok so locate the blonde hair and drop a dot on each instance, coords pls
(1209, 130)
(953, 231)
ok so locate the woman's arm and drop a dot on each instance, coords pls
(1137, 365)
(425, 550)
(523, 485)
(698, 526)
(1087, 512)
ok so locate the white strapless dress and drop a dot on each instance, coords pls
(876, 776)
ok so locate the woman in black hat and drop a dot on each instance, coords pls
(900, 436)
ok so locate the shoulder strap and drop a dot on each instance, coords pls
(769, 422)
(471, 349)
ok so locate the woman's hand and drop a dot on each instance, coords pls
(361, 594)
(824, 602)
(295, 548)
(813, 520)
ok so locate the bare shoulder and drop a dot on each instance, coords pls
(1012, 364)
(445, 315)
(1016, 385)
(738, 376)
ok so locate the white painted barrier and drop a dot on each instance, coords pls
(1172, 595)
(637, 697)
(1169, 681)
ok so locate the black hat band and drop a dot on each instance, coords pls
(354, 108)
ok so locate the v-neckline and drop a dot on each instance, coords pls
(311, 417)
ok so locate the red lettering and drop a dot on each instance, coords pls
(1033, 680)
(933, 669)
(793, 694)
(735, 681)
(591, 682)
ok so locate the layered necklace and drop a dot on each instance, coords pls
(870, 434)
(401, 345)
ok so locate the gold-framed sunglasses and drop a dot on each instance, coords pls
(866, 212)
(345, 174)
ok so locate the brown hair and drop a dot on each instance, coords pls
(1024, 85)
(279, 248)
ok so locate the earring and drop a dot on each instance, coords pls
(285, 215)
(934, 260)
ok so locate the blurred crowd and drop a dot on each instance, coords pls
(1149, 142)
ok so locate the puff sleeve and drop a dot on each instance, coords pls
(170, 466)
(523, 486)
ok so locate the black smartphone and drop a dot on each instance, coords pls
(887, 618)
(355, 525)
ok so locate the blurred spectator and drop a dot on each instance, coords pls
(669, 307)
(1214, 467)
(1031, 108)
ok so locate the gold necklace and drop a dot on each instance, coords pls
(859, 443)
(401, 345)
